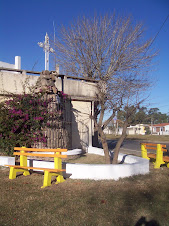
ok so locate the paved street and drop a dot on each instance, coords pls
(131, 146)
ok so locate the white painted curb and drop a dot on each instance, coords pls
(97, 151)
(73, 152)
(6, 160)
(133, 166)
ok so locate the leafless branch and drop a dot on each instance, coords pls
(112, 50)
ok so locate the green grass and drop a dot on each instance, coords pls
(154, 138)
(85, 202)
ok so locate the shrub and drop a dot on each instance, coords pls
(22, 119)
(147, 129)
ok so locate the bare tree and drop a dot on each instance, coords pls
(112, 50)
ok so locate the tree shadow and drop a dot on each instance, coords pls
(111, 144)
(143, 222)
(65, 175)
(80, 131)
(76, 142)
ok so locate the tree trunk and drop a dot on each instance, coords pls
(104, 145)
(119, 143)
(102, 134)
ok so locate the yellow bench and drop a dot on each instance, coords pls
(158, 156)
(24, 152)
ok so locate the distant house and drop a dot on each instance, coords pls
(161, 129)
(138, 129)
(114, 127)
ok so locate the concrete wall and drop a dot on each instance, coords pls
(76, 88)
(11, 82)
(82, 94)
(15, 83)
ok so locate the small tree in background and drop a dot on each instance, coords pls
(113, 51)
(147, 129)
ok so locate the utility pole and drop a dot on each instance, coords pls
(151, 125)
(46, 47)
(56, 66)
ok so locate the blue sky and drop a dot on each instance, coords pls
(24, 23)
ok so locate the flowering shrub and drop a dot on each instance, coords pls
(22, 119)
(63, 95)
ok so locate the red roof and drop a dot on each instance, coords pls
(162, 124)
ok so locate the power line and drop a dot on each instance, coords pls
(158, 32)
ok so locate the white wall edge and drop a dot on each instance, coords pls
(133, 166)
(6, 160)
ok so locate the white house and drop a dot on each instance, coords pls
(160, 129)
(138, 129)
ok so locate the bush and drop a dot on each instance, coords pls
(148, 132)
(22, 119)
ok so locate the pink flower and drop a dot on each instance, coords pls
(38, 118)
(26, 116)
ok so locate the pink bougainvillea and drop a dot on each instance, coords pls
(22, 119)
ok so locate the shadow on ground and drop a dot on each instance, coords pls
(143, 222)
(111, 144)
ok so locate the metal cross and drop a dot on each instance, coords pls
(46, 47)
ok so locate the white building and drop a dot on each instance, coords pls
(138, 129)
(161, 129)
(17, 64)
(82, 93)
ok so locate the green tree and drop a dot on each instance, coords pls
(141, 116)
(156, 117)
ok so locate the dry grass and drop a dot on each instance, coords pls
(86, 159)
(85, 202)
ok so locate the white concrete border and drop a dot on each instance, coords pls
(73, 152)
(70, 152)
(133, 166)
(6, 160)
(97, 151)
